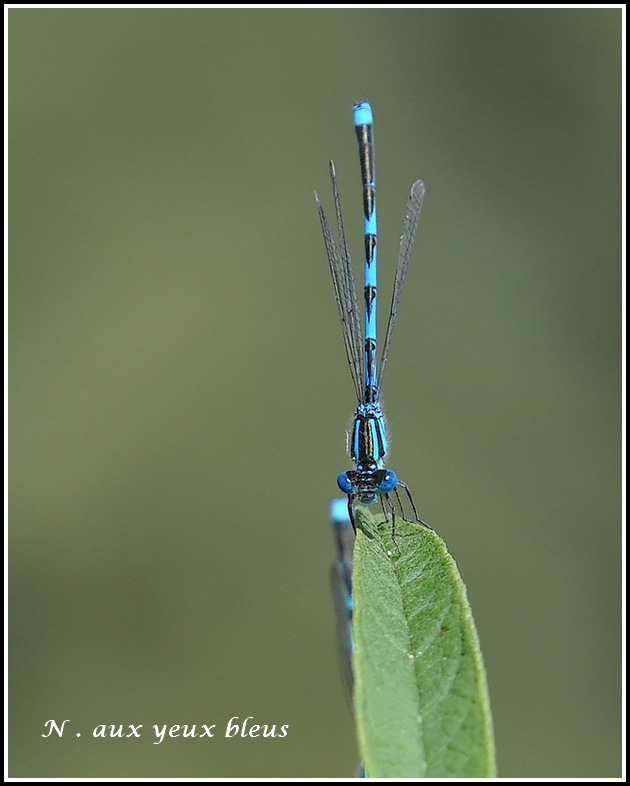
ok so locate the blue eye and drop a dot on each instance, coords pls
(344, 483)
(388, 481)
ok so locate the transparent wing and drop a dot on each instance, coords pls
(345, 288)
(410, 226)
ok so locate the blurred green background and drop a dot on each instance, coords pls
(179, 392)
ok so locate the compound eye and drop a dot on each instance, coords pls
(386, 480)
(344, 483)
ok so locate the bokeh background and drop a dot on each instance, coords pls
(178, 389)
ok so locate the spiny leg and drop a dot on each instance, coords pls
(417, 520)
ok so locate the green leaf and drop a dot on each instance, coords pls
(421, 698)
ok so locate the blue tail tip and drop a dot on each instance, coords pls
(339, 510)
(363, 113)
